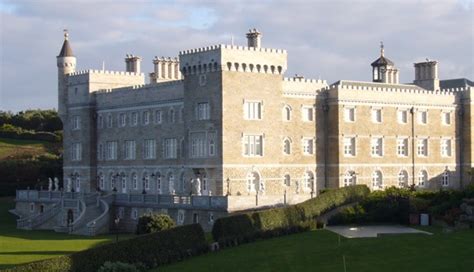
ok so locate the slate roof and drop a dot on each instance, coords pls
(455, 83)
(66, 50)
(382, 61)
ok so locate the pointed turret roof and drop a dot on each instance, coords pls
(66, 50)
(382, 61)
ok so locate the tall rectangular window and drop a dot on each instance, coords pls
(100, 152)
(158, 116)
(111, 152)
(130, 150)
(198, 145)
(134, 119)
(376, 145)
(308, 146)
(76, 151)
(376, 115)
(349, 146)
(402, 116)
(349, 114)
(146, 118)
(253, 145)
(422, 117)
(308, 113)
(402, 147)
(212, 143)
(109, 121)
(122, 119)
(446, 118)
(422, 147)
(203, 111)
(76, 122)
(170, 148)
(446, 147)
(253, 110)
(149, 149)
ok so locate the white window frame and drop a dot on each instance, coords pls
(401, 178)
(349, 114)
(422, 179)
(203, 111)
(134, 181)
(146, 117)
(422, 116)
(149, 149)
(170, 148)
(134, 119)
(250, 145)
(134, 214)
(376, 183)
(76, 150)
(253, 109)
(76, 122)
(402, 147)
(305, 146)
(350, 179)
(287, 180)
(422, 146)
(287, 113)
(400, 114)
(445, 177)
(130, 150)
(111, 150)
(375, 116)
(198, 144)
(446, 118)
(446, 149)
(158, 116)
(377, 146)
(349, 146)
(307, 113)
(212, 143)
(122, 119)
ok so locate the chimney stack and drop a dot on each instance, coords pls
(132, 63)
(426, 75)
(254, 38)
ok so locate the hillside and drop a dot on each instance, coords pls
(12, 149)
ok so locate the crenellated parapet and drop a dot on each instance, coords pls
(104, 72)
(388, 88)
(165, 69)
(299, 85)
(140, 87)
(233, 58)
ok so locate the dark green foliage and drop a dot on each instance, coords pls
(150, 223)
(35, 120)
(246, 227)
(151, 250)
(394, 205)
(121, 267)
(20, 174)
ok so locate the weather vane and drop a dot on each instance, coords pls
(66, 34)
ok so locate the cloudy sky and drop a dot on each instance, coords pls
(330, 40)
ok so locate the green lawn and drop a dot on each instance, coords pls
(319, 251)
(19, 246)
(12, 148)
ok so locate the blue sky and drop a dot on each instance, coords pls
(331, 40)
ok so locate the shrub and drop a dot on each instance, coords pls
(121, 267)
(151, 250)
(245, 227)
(150, 223)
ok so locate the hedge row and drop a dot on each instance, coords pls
(9, 131)
(151, 250)
(279, 221)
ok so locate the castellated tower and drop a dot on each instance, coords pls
(66, 63)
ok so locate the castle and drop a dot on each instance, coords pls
(220, 129)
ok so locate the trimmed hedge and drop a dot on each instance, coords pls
(151, 249)
(12, 132)
(246, 227)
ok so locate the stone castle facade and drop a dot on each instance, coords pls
(220, 129)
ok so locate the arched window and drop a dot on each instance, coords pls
(124, 183)
(445, 179)
(135, 181)
(350, 178)
(111, 181)
(287, 146)
(101, 181)
(286, 113)
(171, 115)
(146, 181)
(308, 180)
(377, 180)
(171, 183)
(403, 178)
(253, 182)
(422, 178)
(287, 180)
(158, 183)
(181, 183)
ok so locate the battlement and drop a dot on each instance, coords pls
(304, 80)
(381, 87)
(232, 47)
(104, 72)
(456, 90)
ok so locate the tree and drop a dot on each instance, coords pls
(154, 222)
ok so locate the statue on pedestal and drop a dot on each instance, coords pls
(68, 185)
(197, 186)
(50, 184)
(56, 184)
(171, 186)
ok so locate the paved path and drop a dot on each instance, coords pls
(372, 231)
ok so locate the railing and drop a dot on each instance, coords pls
(102, 222)
(36, 220)
(79, 220)
(34, 195)
(215, 202)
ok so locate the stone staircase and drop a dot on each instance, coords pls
(92, 212)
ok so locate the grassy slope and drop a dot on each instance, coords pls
(319, 251)
(12, 148)
(19, 246)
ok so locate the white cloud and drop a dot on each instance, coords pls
(332, 39)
